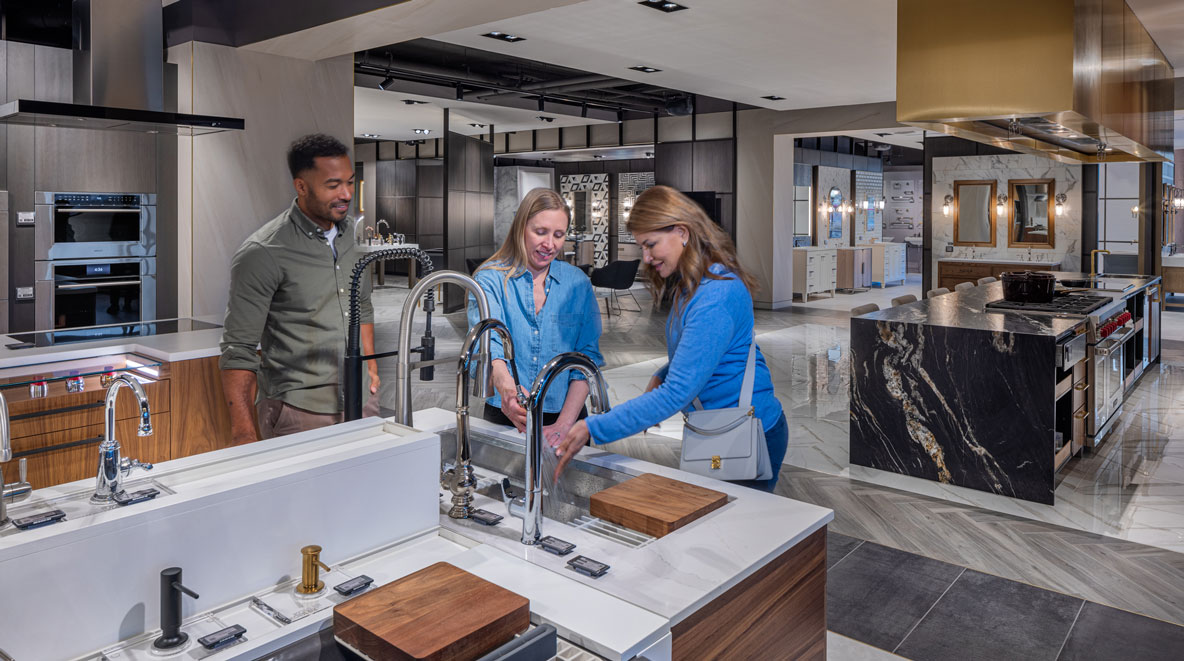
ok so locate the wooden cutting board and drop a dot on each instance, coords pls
(655, 505)
(438, 612)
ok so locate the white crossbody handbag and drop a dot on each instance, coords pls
(727, 444)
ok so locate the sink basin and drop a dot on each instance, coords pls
(495, 458)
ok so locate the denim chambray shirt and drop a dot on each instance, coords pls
(568, 321)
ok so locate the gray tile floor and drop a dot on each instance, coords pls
(1131, 577)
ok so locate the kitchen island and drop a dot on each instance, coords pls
(949, 390)
(749, 576)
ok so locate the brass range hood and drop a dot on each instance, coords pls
(1079, 81)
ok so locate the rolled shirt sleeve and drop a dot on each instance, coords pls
(490, 281)
(588, 342)
(254, 278)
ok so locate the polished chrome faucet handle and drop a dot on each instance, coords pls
(126, 465)
(5, 431)
(515, 505)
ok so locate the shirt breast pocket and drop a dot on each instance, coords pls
(566, 334)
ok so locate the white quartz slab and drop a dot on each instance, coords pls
(673, 576)
(1044, 266)
(1174, 261)
(171, 347)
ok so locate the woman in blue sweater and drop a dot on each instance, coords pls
(708, 333)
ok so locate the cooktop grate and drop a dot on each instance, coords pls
(1080, 304)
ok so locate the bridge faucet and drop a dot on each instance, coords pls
(530, 507)
(403, 365)
(459, 479)
(112, 467)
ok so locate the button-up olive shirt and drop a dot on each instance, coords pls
(289, 296)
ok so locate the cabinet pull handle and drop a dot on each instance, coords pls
(65, 409)
(59, 446)
(1081, 386)
(1081, 415)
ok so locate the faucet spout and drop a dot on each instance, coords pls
(459, 479)
(113, 468)
(532, 509)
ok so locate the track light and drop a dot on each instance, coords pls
(386, 82)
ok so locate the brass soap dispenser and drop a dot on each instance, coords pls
(310, 582)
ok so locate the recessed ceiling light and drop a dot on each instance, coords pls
(423, 131)
(774, 97)
(370, 135)
(502, 36)
(476, 125)
(662, 5)
(387, 82)
(644, 69)
(546, 119)
(597, 156)
(414, 102)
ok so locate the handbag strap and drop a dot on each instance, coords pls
(746, 386)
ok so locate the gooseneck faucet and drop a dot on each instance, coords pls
(459, 479)
(112, 466)
(530, 507)
(403, 366)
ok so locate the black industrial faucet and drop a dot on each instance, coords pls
(352, 376)
(171, 635)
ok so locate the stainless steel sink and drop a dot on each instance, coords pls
(495, 458)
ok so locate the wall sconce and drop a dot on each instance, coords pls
(1135, 212)
(866, 205)
(947, 206)
(1001, 204)
(1060, 208)
(881, 203)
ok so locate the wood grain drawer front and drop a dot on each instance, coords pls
(40, 416)
(77, 459)
(954, 268)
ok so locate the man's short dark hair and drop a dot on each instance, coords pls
(303, 152)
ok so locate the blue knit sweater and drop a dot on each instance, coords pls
(707, 345)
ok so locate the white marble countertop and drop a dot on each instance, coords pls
(677, 574)
(171, 347)
(981, 260)
(1173, 261)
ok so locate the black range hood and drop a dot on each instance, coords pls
(28, 112)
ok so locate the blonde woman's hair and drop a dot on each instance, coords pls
(661, 209)
(511, 257)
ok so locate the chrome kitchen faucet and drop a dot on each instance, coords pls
(459, 479)
(529, 508)
(112, 466)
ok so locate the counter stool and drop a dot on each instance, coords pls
(963, 286)
(903, 300)
(988, 279)
(934, 293)
(864, 309)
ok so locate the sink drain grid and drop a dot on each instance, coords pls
(611, 531)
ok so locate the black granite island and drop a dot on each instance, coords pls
(946, 390)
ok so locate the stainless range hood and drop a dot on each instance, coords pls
(118, 76)
(1079, 81)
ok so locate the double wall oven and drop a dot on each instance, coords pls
(96, 259)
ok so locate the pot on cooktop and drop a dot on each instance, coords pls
(1028, 286)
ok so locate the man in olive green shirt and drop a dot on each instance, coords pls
(289, 295)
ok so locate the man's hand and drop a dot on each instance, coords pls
(574, 441)
(374, 381)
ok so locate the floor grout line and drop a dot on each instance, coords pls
(1070, 631)
(848, 554)
(927, 612)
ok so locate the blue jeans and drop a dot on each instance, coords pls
(777, 439)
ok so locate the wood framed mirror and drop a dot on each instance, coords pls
(974, 212)
(1032, 213)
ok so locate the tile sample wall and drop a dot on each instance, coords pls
(868, 224)
(903, 199)
(629, 186)
(597, 187)
(828, 178)
(1067, 226)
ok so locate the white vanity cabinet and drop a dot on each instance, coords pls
(889, 262)
(815, 270)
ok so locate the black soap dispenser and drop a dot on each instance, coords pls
(171, 635)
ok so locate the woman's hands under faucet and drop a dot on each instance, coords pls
(575, 439)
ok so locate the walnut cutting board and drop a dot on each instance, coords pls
(655, 505)
(438, 612)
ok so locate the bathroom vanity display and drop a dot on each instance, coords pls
(276, 535)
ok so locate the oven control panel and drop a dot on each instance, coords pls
(102, 200)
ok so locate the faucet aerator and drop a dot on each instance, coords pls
(145, 431)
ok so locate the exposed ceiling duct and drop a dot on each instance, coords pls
(1074, 80)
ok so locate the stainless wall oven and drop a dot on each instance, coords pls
(94, 225)
(73, 293)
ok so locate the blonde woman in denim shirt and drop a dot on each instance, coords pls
(549, 307)
(708, 333)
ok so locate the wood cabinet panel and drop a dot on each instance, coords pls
(779, 612)
(59, 412)
(1173, 278)
(201, 419)
(81, 461)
